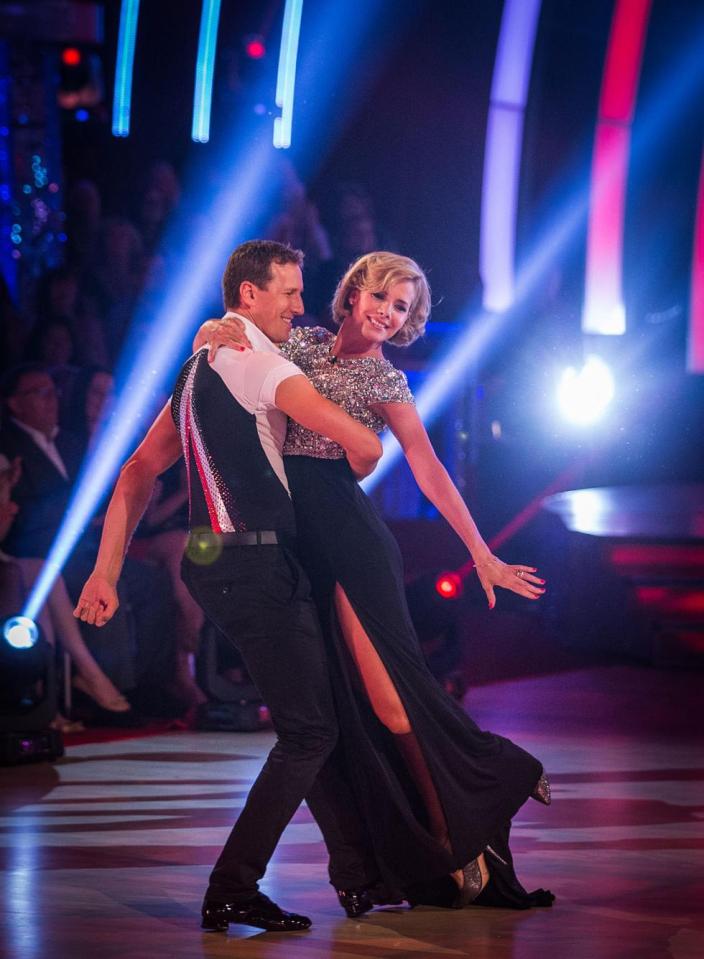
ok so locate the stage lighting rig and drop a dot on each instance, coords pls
(27, 694)
(80, 79)
(583, 395)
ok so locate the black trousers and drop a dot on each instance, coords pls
(259, 597)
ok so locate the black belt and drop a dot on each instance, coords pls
(253, 537)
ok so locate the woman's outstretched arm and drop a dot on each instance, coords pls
(435, 483)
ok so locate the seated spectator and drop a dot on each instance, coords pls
(84, 208)
(162, 177)
(161, 538)
(297, 224)
(51, 343)
(63, 297)
(91, 396)
(56, 618)
(119, 275)
(354, 230)
(136, 648)
(151, 218)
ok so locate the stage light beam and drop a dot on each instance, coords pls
(126, 43)
(286, 79)
(502, 155)
(604, 310)
(205, 70)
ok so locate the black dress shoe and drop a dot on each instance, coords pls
(355, 902)
(259, 911)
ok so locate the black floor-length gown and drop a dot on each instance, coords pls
(481, 778)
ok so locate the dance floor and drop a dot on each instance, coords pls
(106, 853)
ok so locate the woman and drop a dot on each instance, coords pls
(17, 577)
(436, 792)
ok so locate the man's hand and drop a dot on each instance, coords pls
(228, 331)
(98, 602)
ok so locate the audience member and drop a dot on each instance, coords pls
(91, 396)
(161, 538)
(132, 657)
(84, 210)
(297, 224)
(354, 230)
(63, 297)
(56, 618)
(119, 274)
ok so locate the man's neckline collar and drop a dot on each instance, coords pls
(256, 337)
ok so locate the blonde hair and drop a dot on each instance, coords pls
(380, 271)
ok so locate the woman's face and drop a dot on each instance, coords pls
(379, 314)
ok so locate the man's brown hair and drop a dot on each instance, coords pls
(252, 261)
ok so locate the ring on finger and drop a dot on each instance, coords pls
(519, 573)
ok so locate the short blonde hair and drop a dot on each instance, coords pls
(379, 271)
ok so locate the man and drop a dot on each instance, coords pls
(51, 458)
(229, 421)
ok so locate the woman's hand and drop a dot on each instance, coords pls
(228, 331)
(519, 579)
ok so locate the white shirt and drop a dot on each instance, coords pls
(46, 445)
(252, 377)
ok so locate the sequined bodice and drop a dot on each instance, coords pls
(355, 385)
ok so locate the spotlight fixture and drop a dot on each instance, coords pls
(583, 395)
(20, 632)
(254, 47)
(27, 694)
(449, 585)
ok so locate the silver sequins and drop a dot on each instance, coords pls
(355, 385)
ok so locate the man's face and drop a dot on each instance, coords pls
(36, 402)
(274, 308)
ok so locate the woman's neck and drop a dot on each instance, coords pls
(349, 345)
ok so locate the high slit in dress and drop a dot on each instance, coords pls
(480, 778)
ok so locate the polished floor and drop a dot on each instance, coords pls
(105, 854)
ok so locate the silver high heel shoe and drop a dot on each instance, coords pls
(542, 791)
(472, 885)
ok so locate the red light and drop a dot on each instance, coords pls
(254, 48)
(449, 585)
(71, 57)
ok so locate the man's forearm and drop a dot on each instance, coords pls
(127, 505)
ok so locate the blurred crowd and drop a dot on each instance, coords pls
(57, 386)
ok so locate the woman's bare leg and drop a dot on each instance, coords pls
(389, 710)
(57, 621)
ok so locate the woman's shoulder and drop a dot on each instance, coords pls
(305, 338)
(311, 334)
(391, 384)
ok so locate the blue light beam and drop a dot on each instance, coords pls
(565, 221)
(502, 156)
(205, 70)
(151, 357)
(286, 79)
(126, 43)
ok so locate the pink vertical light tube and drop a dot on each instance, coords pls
(695, 344)
(603, 300)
